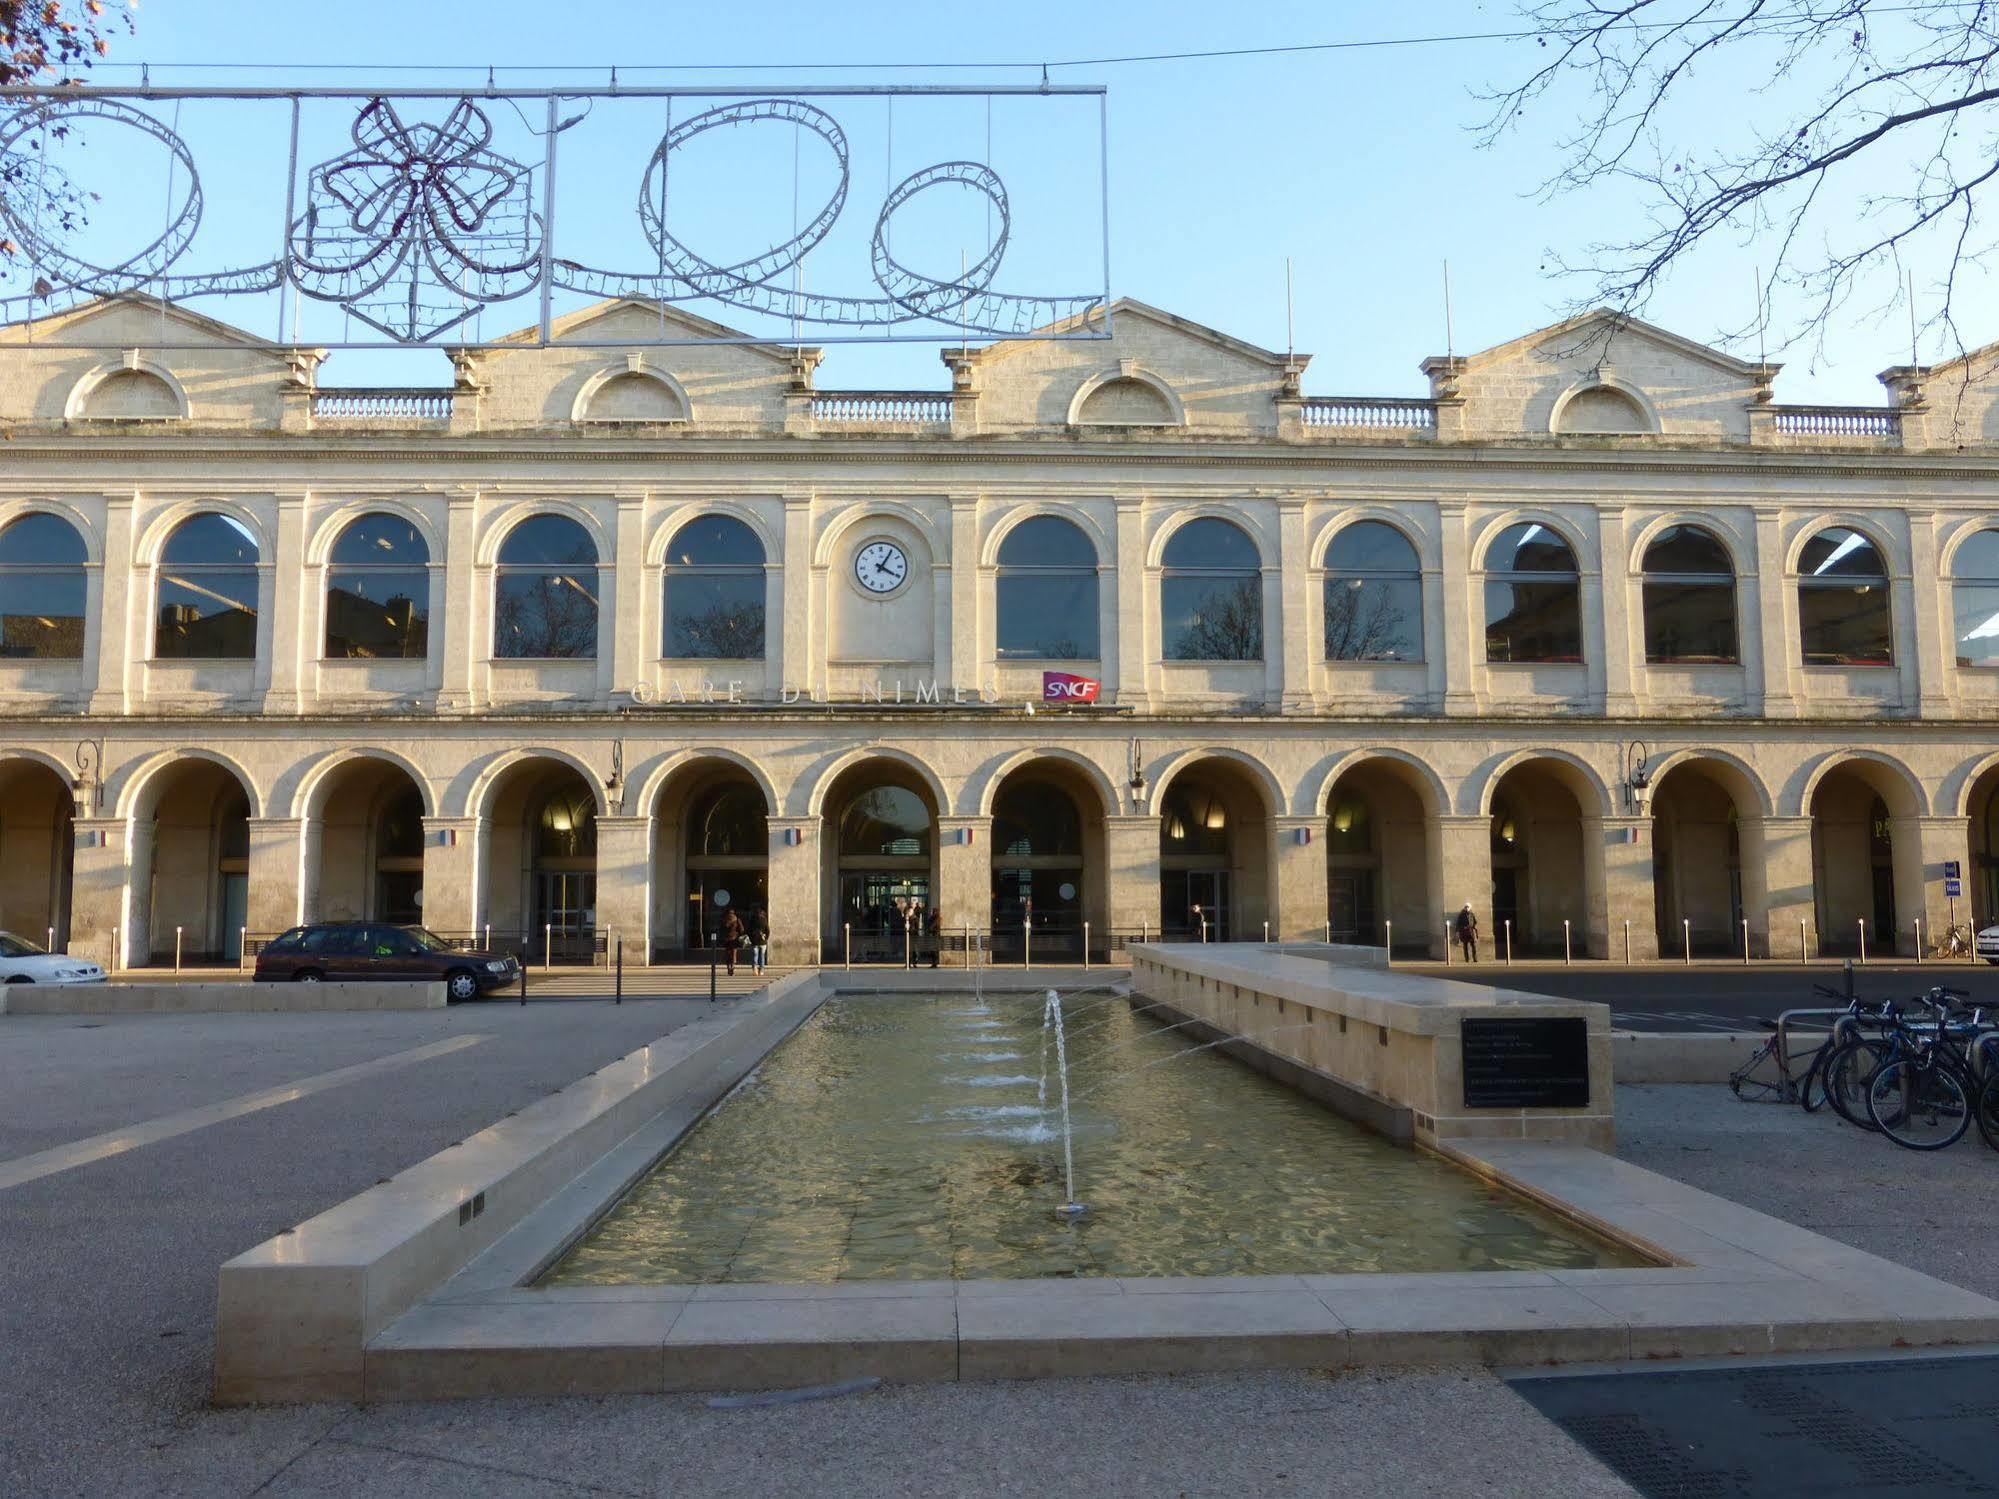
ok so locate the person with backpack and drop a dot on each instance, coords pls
(1465, 928)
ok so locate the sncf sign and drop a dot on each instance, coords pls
(1067, 687)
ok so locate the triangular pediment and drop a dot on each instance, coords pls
(639, 322)
(1605, 332)
(135, 321)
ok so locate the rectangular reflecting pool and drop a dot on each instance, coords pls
(919, 1138)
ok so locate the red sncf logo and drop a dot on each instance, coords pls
(1067, 687)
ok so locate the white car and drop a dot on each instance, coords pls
(1986, 944)
(21, 962)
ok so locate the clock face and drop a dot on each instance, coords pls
(881, 567)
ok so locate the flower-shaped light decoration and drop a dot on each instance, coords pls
(419, 225)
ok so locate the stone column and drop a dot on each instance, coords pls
(1462, 609)
(796, 907)
(276, 860)
(629, 630)
(960, 652)
(964, 890)
(291, 614)
(1775, 618)
(100, 893)
(1777, 884)
(1922, 608)
(117, 621)
(1133, 684)
(1620, 648)
(1617, 871)
(1930, 843)
(1299, 867)
(1289, 672)
(624, 885)
(451, 900)
(1460, 869)
(794, 639)
(1131, 874)
(458, 623)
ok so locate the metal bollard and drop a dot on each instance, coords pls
(524, 975)
(1447, 942)
(1509, 941)
(1329, 931)
(548, 945)
(1266, 934)
(713, 963)
(1919, 939)
(52, 940)
(242, 945)
(117, 961)
(1204, 929)
(1627, 944)
(1687, 941)
(1567, 955)
(177, 932)
(489, 938)
(1086, 945)
(847, 927)
(1388, 941)
(1863, 939)
(1804, 947)
(1027, 944)
(620, 990)
(1745, 939)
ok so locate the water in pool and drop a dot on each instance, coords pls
(918, 1138)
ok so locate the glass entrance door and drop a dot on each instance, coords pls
(873, 904)
(1189, 897)
(565, 917)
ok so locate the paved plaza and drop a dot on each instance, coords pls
(108, 1259)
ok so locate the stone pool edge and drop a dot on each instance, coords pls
(1740, 1283)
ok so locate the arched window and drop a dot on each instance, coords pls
(1211, 594)
(42, 588)
(731, 822)
(545, 592)
(207, 594)
(714, 605)
(1689, 597)
(1843, 601)
(567, 825)
(1374, 595)
(1533, 597)
(1035, 820)
(1047, 592)
(1194, 823)
(378, 591)
(886, 820)
(1975, 600)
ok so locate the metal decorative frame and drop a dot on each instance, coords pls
(420, 223)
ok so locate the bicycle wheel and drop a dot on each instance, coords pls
(1988, 1109)
(1812, 1091)
(1919, 1103)
(1846, 1074)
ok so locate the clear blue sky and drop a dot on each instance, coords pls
(1361, 166)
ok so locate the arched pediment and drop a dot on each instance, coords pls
(635, 391)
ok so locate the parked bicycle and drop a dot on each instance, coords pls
(1954, 943)
(1945, 1078)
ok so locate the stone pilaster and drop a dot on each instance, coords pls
(1299, 863)
(964, 890)
(276, 861)
(1777, 888)
(1621, 915)
(624, 885)
(1131, 874)
(1460, 869)
(796, 904)
(100, 891)
(1937, 841)
(451, 897)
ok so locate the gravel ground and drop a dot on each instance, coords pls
(1937, 1212)
(107, 1287)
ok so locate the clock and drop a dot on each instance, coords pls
(880, 567)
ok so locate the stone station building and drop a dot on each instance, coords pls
(590, 646)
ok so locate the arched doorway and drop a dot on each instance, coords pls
(1378, 822)
(191, 860)
(1861, 872)
(880, 838)
(711, 854)
(1698, 893)
(1047, 851)
(365, 833)
(1214, 854)
(1539, 874)
(36, 844)
(541, 862)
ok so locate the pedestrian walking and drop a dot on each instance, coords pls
(935, 928)
(1467, 933)
(912, 923)
(732, 938)
(759, 940)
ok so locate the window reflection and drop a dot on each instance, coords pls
(1533, 604)
(1843, 601)
(886, 820)
(1047, 592)
(1975, 601)
(1374, 595)
(545, 592)
(43, 589)
(207, 592)
(1689, 598)
(714, 591)
(378, 591)
(1211, 594)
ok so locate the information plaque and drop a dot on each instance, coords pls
(1520, 1063)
